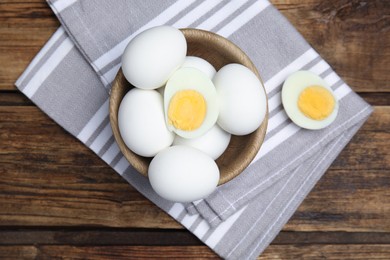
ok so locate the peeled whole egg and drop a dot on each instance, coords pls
(200, 64)
(142, 124)
(183, 174)
(190, 103)
(242, 100)
(213, 143)
(153, 55)
(309, 101)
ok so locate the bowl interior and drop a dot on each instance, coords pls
(219, 52)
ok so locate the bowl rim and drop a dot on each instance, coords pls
(222, 43)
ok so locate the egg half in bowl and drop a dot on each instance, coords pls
(190, 101)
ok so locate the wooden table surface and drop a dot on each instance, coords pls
(58, 199)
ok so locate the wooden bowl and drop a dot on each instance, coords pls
(219, 52)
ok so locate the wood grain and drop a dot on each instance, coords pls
(18, 46)
(294, 251)
(102, 236)
(66, 193)
(330, 251)
(27, 14)
(16, 98)
(353, 36)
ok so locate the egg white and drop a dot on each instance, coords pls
(183, 174)
(141, 122)
(200, 64)
(153, 55)
(213, 143)
(292, 88)
(242, 99)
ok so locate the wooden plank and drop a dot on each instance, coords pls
(14, 98)
(376, 98)
(295, 251)
(104, 237)
(352, 252)
(18, 46)
(17, 98)
(352, 37)
(164, 237)
(27, 14)
(35, 169)
(45, 182)
(18, 252)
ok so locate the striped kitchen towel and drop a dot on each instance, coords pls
(70, 78)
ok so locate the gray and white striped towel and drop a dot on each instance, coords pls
(70, 78)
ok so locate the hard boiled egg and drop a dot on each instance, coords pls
(243, 103)
(190, 103)
(183, 174)
(309, 101)
(213, 143)
(153, 55)
(142, 124)
(200, 64)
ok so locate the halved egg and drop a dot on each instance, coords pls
(190, 103)
(309, 101)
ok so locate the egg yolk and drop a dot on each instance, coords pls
(187, 110)
(316, 102)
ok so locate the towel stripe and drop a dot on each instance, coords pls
(288, 204)
(188, 220)
(102, 138)
(98, 130)
(175, 210)
(301, 61)
(183, 22)
(42, 53)
(48, 67)
(221, 15)
(202, 229)
(195, 13)
(223, 228)
(186, 21)
(162, 18)
(94, 122)
(243, 18)
(110, 154)
(122, 165)
(61, 5)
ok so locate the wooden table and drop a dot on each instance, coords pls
(58, 199)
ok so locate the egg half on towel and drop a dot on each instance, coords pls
(309, 101)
